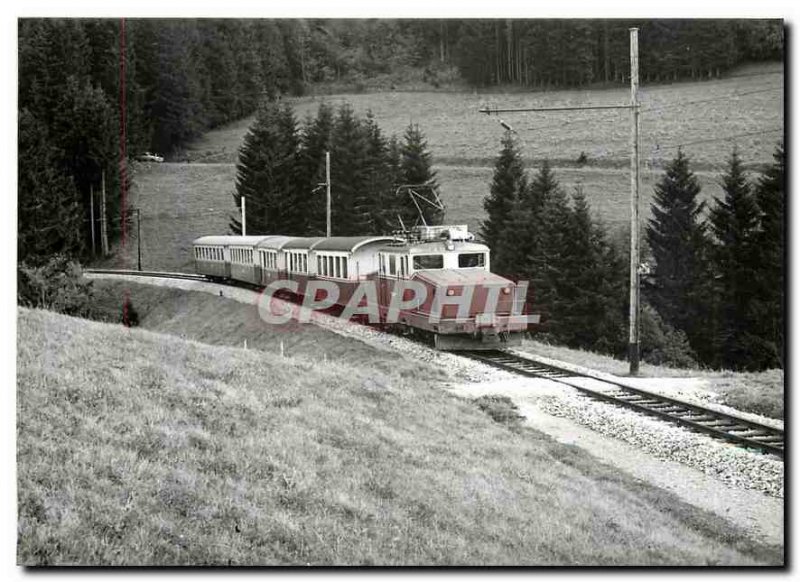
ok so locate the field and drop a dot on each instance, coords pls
(141, 448)
(191, 196)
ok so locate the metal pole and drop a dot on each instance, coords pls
(633, 335)
(139, 236)
(91, 214)
(328, 200)
(244, 216)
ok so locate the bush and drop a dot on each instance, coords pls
(57, 285)
(663, 345)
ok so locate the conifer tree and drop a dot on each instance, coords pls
(416, 167)
(266, 174)
(769, 306)
(315, 141)
(509, 182)
(677, 239)
(49, 217)
(589, 306)
(734, 223)
(352, 208)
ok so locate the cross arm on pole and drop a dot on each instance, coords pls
(489, 111)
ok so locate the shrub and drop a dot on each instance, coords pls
(663, 345)
(57, 285)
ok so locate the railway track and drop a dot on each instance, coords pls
(697, 418)
(159, 274)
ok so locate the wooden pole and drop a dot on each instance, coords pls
(103, 217)
(633, 332)
(91, 215)
(244, 216)
(328, 199)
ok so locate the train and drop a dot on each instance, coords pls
(433, 282)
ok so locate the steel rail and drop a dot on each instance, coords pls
(693, 416)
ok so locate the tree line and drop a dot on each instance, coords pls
(174, 79)
(565, 53)
(281, 172)
(714, 296)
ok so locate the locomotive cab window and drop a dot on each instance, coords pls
(428, 262)
(471, 260)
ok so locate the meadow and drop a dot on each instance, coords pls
(137, 448)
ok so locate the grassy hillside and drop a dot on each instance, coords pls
(139, 448)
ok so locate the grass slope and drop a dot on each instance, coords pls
(140, 448)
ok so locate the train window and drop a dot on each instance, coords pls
(339, 267)
(392, 264)
(344, 267)
(380, 264)
(471, 260)
(428, 262)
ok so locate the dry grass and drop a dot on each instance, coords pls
(758, 392)
(140, 448)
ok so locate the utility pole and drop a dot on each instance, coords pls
(633, 332)
(328, 199)
(634, 107)
(91, 214)
(103, 219)
(139, 237)
(244, 216)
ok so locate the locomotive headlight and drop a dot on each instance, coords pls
(451, 292)
(506, 290)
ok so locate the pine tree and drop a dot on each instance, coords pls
(416, 168)
(508, 184)
(266, 174)
(49, 217)
(769, 307)
(352, 209)
(734, 223)
(531, 244)
(379, 180)
(589, 307)
(677, 239)
(315, 141)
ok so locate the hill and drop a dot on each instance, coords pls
(141, 448)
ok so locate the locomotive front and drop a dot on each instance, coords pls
(463, 305)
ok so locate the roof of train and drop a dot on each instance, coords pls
(302, 243)
(224, 240)
(435, 246)
(350, 243)
(275, 242)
